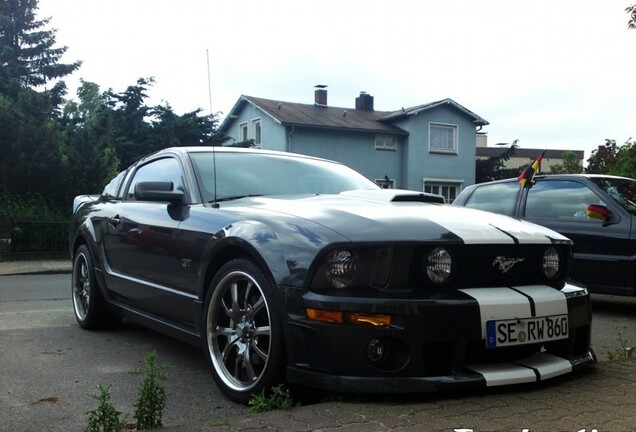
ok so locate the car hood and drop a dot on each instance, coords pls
(370, 216)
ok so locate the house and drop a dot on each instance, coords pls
(429, 147)
(525, 156)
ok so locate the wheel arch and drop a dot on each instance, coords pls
(230, 249)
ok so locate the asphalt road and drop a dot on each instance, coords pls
(49, 366)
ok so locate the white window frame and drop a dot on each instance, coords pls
(257, 126)
(445, 126)
(440, 184)
(386, 142)
(242, 132)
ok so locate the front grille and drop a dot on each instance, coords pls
(475, 266)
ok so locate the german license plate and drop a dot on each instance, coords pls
(504, 333)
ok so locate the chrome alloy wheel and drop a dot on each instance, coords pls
(239, 331)
(81, 286)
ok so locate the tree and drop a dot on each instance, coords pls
(631, 10)
(625, 164)
(189, 129)
(89, 156)
(614, 160)
(570, 165)
(28, 56)
(602, 158)
(493, 168)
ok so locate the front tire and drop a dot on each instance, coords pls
(243, 335)
(88, 303)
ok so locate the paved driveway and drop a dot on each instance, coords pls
(49, 366)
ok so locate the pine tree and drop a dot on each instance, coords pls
(28, 56)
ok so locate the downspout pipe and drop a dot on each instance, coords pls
(289, 138)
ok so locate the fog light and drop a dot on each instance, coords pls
(376, 350)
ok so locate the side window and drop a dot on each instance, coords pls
(497, 198)
(167, 169)
(560, 200)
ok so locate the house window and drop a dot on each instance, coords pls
(386, 142)
(256, 130)
(449, 190)
(443, 138)
(242, 132)
(385, 183)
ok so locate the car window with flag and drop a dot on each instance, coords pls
(527, 176)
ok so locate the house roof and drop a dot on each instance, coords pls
(526, 153)
(405, 112)
(310, 115)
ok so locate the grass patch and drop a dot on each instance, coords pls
(278, 398)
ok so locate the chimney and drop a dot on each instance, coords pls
(321, 95)
(364, 102)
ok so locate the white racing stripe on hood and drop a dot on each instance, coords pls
(507, 303)
(475, 226)
(546, 366)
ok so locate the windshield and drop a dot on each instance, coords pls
(621, 189)
(249, 174)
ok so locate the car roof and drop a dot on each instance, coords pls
(557, 176)
(238, 150)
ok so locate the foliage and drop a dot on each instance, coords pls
(570, 165)
(27, 53)
(623, 352)
(614, 160)
(152, 397)
(493, 168)
(52, 149)
(631, 10)
(104, 418)
(277, 399)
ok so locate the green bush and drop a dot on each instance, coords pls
(277, 399)
(104, 418)
(152, 397)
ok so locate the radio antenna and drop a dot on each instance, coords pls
(207, 55)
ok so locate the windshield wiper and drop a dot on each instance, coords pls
(235, 197)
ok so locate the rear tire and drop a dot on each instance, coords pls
(88, 303)
(243, 337)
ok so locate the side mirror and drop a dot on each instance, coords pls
(599, 212)
(158, 191)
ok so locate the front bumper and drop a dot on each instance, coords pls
(436, 340)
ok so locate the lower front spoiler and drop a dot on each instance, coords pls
(539, 367)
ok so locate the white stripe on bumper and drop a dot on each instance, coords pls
(506, 303)
(542, 366)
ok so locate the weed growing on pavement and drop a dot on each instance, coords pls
(152, 397)
(148, 409)
(623, 352)
(278, 398)
(104, 418)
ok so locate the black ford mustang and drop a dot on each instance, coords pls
(287, 268)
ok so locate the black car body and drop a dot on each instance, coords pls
(286, 268)
(604, 244)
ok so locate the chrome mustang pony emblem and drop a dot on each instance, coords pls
(506, 264)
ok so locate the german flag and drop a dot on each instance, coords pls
(526, 177)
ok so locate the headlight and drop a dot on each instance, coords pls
(439, 265)
(551, 263)
(341, 268)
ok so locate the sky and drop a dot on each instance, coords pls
(552, 74)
